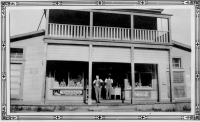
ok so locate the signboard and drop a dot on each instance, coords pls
(143, 94)
(178, 77)
(67, 92)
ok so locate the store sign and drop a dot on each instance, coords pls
(142, 94)
(67, 92)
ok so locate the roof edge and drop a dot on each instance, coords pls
(27, 35)
(181, 45)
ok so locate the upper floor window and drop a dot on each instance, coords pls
(176, 62)
(16, 53)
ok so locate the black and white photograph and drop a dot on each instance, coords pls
(109, 60)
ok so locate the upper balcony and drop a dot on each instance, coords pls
(108, 26)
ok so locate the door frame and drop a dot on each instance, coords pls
(21, 77)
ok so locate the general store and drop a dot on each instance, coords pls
(59, 64)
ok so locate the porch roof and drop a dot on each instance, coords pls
(27, 35)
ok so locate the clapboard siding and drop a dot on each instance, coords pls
(160, 57)
(186, 66)
(111, 54)
(34, 53)
(154, 56)
(68, 52)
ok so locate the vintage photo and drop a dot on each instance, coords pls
(101, 60)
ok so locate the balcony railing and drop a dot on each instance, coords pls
(109, 33)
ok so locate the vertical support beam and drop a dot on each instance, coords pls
(68, 76)
(170, 32)
(84, 88)
(90, 76)
(132, 76)
(44, 63)
(132, 27)
(91, 24)
(47, 22)
(158, 84)
(171, 76)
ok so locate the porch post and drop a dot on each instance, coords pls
(132, 27)
(90, 77)
(44, 64)
(91, 24)
(47, 22)
(171, 76)
(169, 29)
(132, 76)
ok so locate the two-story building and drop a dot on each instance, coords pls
(59, 64)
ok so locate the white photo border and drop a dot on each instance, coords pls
(5, 60)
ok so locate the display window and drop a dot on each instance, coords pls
(68, 78)
(145, 74)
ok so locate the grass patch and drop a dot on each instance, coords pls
(186, 108)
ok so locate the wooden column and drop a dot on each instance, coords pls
(158, 84)
(132, 27)
(90, 77)
(91, 24)
(68, 75)
(170, 64)
(132, 76)
(171, 76)
(44, 63)
(47, 22)
(170, 32)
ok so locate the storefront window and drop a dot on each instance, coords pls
(68, 79)
(145, 74)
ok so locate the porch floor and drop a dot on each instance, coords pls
(104, 106)
(102, 103)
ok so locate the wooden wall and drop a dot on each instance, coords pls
(160, 57)
(68, 52)
(111, 54)
(186, 66)
(34, 53)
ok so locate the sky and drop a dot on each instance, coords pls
(23, 21)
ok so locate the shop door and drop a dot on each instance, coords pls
(15, 80)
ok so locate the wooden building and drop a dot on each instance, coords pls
(59, 64)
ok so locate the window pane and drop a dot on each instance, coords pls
(176, 62)
(179, 91)
(176, 65)
(146, 79)
(16, 53)
(136, 79)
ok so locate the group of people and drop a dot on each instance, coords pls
(98, 86)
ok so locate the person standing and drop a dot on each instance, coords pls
(108, 82)
(98, 85)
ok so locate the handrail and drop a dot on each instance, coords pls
(108, 33)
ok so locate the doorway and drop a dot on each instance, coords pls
(117, 71)
(16, 81)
